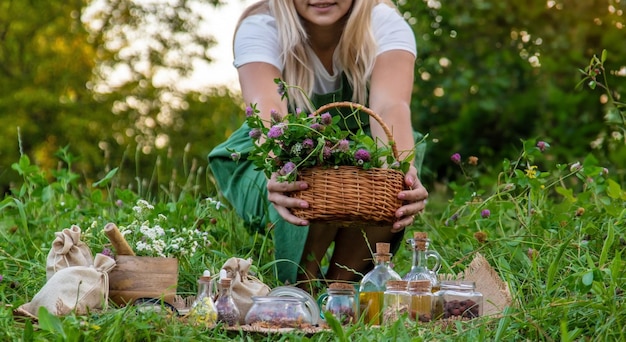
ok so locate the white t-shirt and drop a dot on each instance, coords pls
(256, 40)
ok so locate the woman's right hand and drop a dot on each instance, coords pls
(276, 194)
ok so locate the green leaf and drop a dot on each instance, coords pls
(614, 190)
(51, 323)
(554, 265)
(604, 54)
(587, 278)
(104, 181)
(608, 244)
(567, 193)
(28, 331)
(335, 325)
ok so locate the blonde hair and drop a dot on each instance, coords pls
(356, 50)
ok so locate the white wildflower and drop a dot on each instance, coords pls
(141, 246)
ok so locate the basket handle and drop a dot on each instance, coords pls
(352, 105)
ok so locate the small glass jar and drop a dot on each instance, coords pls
(340, 302)
(396, 301)
(458, 299)
(421, 295)
(278, 312)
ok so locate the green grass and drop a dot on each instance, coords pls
(555, 236)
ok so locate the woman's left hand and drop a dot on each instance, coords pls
(415, 197)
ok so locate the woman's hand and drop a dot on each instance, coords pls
(416, 201)
(276, 194)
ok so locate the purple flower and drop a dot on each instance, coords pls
(119, 203)
(255, 133)
(327, 152)
(485, 213)
(288, 168)
(275, 116)
(1, 277)
(235, 156)
(317, 127)
(281, 89)
(452, 219)
(542, 145)
(362, 155)
(327, 119)
(343, 145)
(108, 252)
(249, 111)
(308, 143)
(456, 158)
(275, 132)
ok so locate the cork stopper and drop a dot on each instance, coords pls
(422, 285)
(421, 240)
(382, 252)
(382, 248)
(225, 282)
(397, 285)
(341, 287)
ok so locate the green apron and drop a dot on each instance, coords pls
(245, 188)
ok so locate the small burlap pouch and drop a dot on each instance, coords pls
(79, 288)
(67, 251)
(243, 285)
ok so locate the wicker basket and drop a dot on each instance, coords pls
(349, 195)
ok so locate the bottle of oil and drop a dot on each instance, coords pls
(421, 308)
(374, 284)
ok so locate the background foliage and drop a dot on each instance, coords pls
(492, 72)
(489, 73)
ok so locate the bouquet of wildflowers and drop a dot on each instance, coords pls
(296, 141)
(150, 233)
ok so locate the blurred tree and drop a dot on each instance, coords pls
(100, 77)
(493, 72)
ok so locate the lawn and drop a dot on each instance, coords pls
(553, 230)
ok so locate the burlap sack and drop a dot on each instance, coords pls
(243, 285)
(496, 294)
(67, 251)
(80, 288)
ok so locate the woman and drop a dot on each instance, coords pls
(354, 50)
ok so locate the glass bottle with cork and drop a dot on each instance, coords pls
(396, 300)
(421, 255)
(227, 311)
(374, 284)
(421, 307)
(203, 311)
